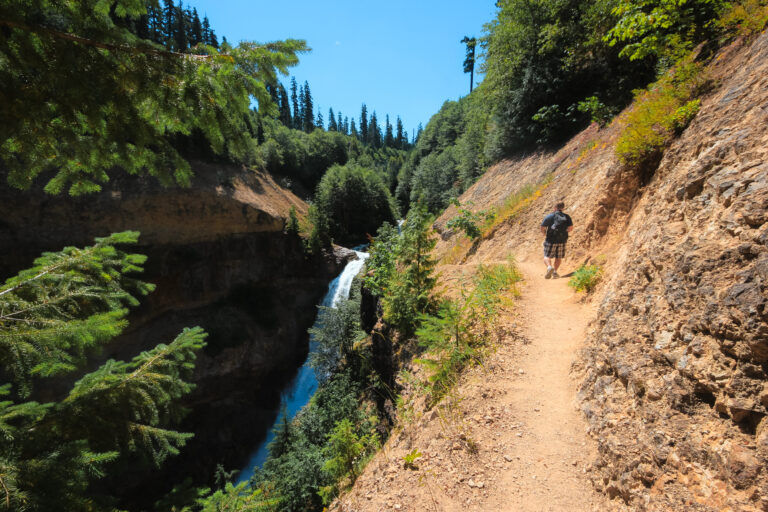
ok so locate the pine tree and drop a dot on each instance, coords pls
(347, 129)
(284, 106)
(180, 32)
(206, 31)
(343, 127)
(410, 292)
(53, 316)
(295, 102)
(389, 139)
(169, 23)
(155, 16)
(353, 129)
(401, 139)
(469, 61)
(320, 122)
(309, 124)
(332, 126)
(302, 108)
(196, 31)
(374, 132)
(364, 124)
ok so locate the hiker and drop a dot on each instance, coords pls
(556, 227)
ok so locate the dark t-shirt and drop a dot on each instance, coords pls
(552, 236)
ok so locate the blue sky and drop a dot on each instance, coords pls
(399, 57)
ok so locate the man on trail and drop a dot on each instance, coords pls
(555, 227)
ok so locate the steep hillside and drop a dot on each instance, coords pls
(673, 371)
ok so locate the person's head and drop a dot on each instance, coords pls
(559, 206)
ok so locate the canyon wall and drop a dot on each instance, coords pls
(220, 259)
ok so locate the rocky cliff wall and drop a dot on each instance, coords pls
(220, 259)
(674, 381)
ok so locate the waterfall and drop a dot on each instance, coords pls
(298, 392)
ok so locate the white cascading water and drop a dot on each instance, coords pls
(304, 385)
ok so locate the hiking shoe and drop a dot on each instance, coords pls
(550, 271)
(555, 275)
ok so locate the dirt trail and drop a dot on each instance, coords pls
(547, 471)
(513, 439)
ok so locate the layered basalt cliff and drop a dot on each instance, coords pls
(220, 259)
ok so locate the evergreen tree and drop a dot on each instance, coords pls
(295, 103)
(196, 31)
(155, 22)
(353, 129)
(284, 106)
(169, 24)
(207, 31)
(389, 139)
(332, 126)
(309, 124)
(347, 126)
(401, 139)
(374, 132)
(343, 126)
(364, 124)
(409, 293)
(469, 61)
(54, 315)
(319, 122)
(180, 33)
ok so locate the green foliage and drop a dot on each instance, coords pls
(408, 293)
(327, 442)
(344, 452)
(350, 202)
(337, 332)
(454, 336)
(51, 317)
(468, 221)
(745, 18)
(666, 29)
(239, 498)
(409, 459)
(138, 98)
(541, 60)
(598, 111)
(660, 113)
(292, 226)
(585, 278)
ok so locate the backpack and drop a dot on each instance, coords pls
(559, 228)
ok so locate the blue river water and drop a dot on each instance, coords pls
(298, 392)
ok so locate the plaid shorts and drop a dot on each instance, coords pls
(554, 250)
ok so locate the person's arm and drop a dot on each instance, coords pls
(543, 229)
(570, 228)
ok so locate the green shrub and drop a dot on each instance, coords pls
(469, 221)
(454, 337)
(585, 278)
(660, 113)
(745, 18)
(598, 111)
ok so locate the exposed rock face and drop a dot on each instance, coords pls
(220, 260)
(676, 379)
